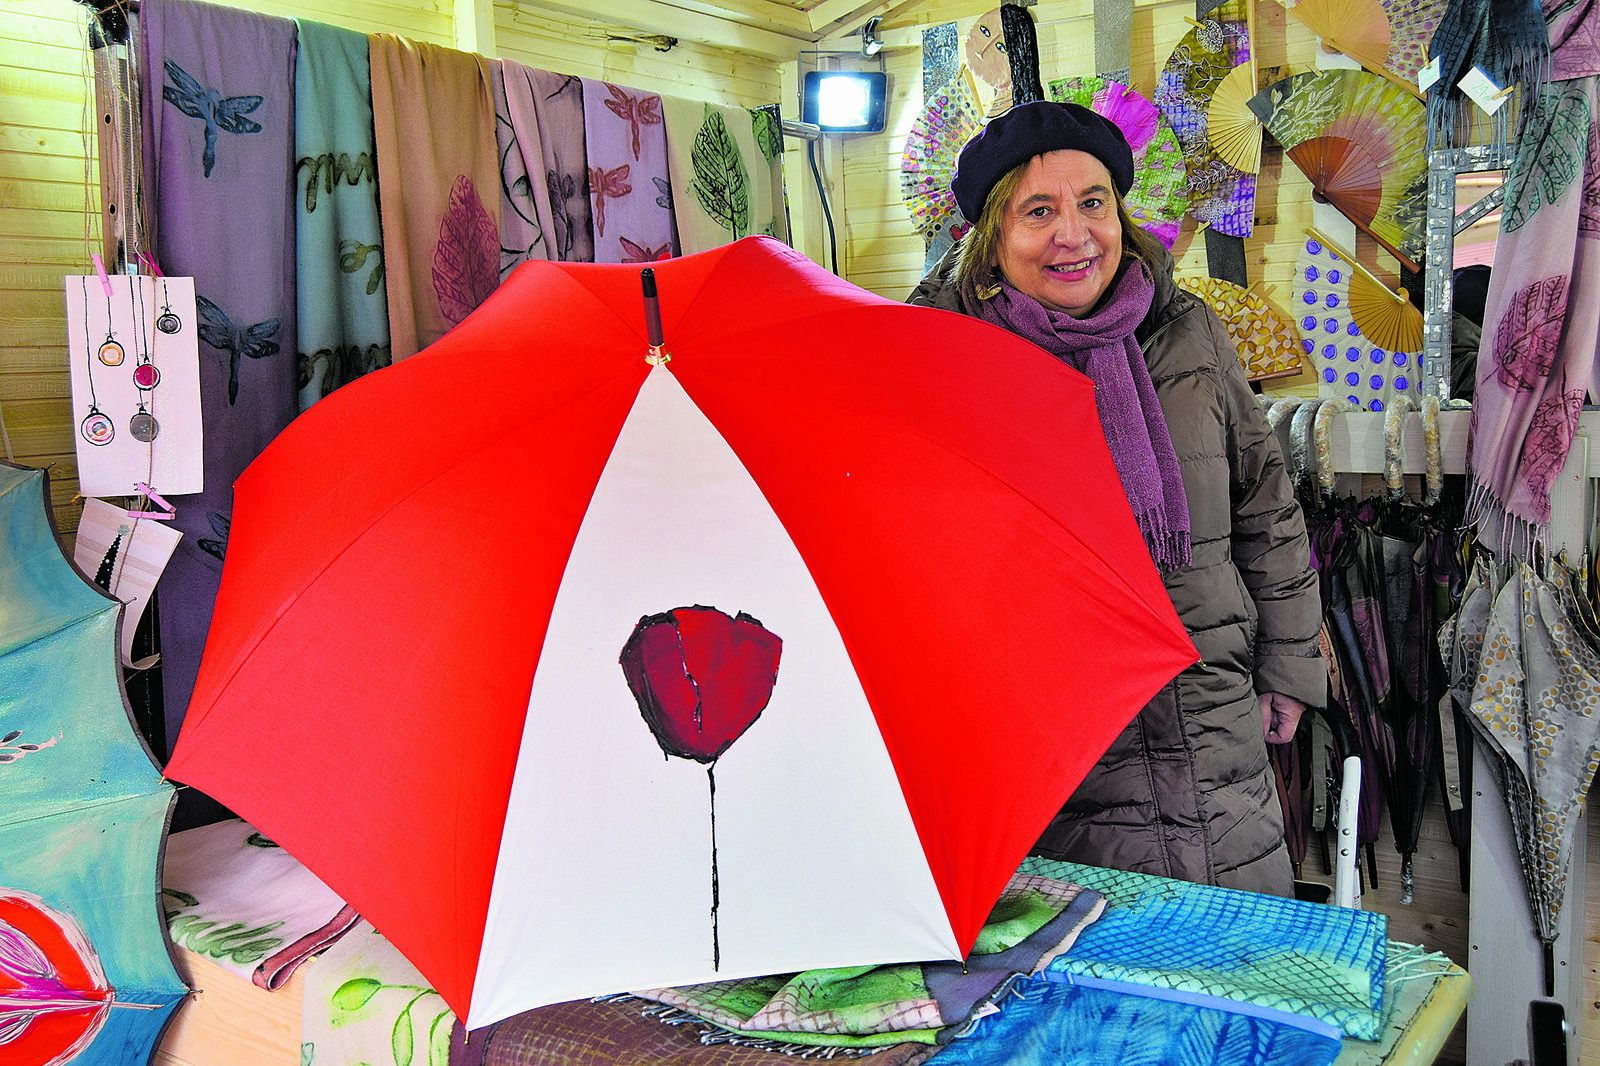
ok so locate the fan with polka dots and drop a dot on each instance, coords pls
(1348, 365)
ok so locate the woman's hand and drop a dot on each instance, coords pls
(1280, 715)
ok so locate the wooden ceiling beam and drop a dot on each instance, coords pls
(673, 20)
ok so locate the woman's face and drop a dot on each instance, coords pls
(1060, 238)
(986, 50)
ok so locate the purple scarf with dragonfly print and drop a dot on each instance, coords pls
(1541, 319)
(218, 148)
(629, 192)
(433, 123)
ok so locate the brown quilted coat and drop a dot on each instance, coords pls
(1186, 790)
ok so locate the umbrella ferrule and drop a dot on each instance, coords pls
(658, 356)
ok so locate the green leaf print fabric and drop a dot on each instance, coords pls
(725, 165)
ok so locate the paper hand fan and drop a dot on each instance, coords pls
(1349, 365)
(1268, 343)
(1385, 316)
(1158, 197)
(1359, 139)
(1388, 38)
(1232, 128)
(1220, 194)
(1411, 26)
(951, 118)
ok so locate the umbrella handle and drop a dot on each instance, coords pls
(652, 318)
(1344, 870)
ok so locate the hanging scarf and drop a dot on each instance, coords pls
(1102, 346)
(1541, 318)
(218, 198)
(1507, 39)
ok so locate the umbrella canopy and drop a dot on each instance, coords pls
(1534, 703)
(864, 562)
(85, 973)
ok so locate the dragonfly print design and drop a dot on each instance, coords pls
(603, 183)
(636, 111)
(663, 193)
(218, 112)
(643, 253)
(218, 330)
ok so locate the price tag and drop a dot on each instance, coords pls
(1482, 90)
(1428, 74)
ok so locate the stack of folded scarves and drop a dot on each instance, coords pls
(1037, 917)
(1182, 974)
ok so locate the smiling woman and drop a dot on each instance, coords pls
(1186, 790)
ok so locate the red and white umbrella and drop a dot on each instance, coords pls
(866, 568)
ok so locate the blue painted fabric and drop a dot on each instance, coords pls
(1081, 1021)
(341, 310)
(1307, 958)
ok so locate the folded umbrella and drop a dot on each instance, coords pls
(865, 563)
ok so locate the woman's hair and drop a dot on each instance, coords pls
(980, 248)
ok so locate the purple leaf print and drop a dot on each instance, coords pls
(1529, 333)
(466, 262)
(604, 183)
(636, 111)
(1544, 449)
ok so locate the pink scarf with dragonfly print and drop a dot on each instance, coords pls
(433, 124)
(1541, 320)
(630, 194)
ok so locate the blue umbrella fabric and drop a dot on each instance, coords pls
(86, 973)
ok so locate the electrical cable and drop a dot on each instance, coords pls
(833, 242)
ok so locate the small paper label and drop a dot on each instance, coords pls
(1482, 90)
(1428, 74)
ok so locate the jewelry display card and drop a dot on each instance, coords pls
(125, 556)
(135, 370)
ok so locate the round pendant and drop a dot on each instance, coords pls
(111, 353)
(167, 322)
(143, 426)
(97, 428)
(146, 376)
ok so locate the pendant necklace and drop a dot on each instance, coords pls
(167, 322)
(146, 377)
(111, 352)
(96, 427)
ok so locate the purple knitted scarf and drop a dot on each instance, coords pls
(1102, 346)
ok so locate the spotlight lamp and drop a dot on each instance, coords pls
(845, 101)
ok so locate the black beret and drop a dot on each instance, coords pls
(1032, 129)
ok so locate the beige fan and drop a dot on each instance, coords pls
(1234, 129)
(1358, 28)
(1385, 316)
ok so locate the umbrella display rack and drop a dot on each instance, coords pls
(1506, 957)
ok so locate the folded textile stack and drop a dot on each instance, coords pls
(1305, 958)
(1036, 918)
(235, 897)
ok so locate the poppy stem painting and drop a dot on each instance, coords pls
(701, 679)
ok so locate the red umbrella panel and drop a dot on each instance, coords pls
(577, 672)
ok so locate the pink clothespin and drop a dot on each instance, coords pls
(100, 268)
(167, 512)
(150, 261)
